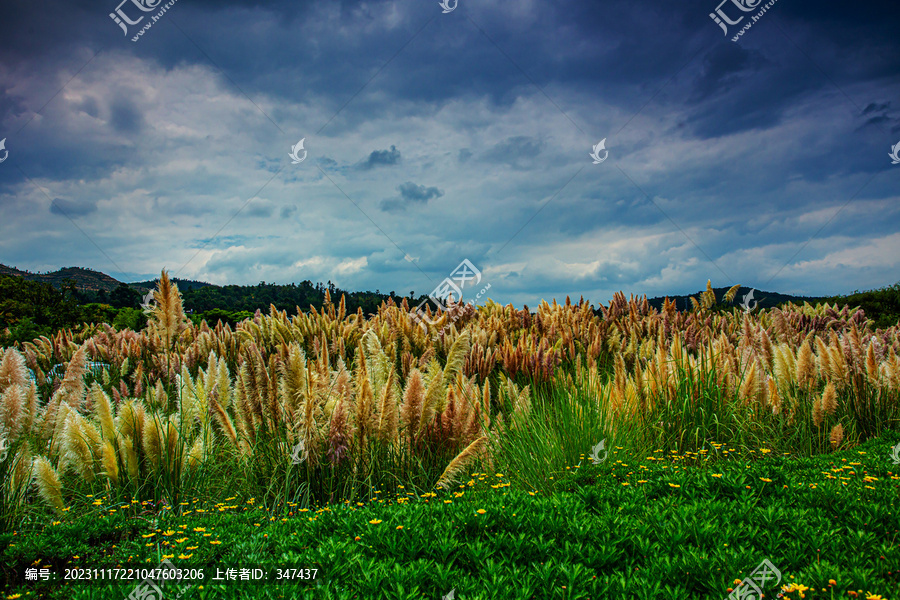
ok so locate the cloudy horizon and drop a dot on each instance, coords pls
(430, 137)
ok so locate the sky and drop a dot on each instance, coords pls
(433, 134)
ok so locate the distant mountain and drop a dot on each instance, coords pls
(94, 281)
(85, 279)
(764, 299)
(183, 284)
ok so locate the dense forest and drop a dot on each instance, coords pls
(29, 309)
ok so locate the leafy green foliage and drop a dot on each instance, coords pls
(675, 527)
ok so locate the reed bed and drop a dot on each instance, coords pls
(380, 402)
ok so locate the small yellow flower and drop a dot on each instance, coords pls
(168, 532)
(766, 479)
(192, 547)
(199, 529)
(180, 540)
(185, 556)
(357, 538)
(674, 485)
(165, 556)
(481, 511)
(215, 542)
(399, 526)
(374, 521)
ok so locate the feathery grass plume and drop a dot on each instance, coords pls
(223, 419)
(839, 369)
(435, 397)
(195, 454)
(892, 368)
(818, 412)
(131, 421)
(750, 385)
(363, 411)
(172, 448)
(856, 345)
(731, 293)
(152, 439)
(782, 329)
(784, 366)
(829, 398)
(166, 318)
(872, 364)
(103, 411)
(30, 405)
(774, 399)
(71, 390)
(837, 436)
(823, 357)
(188, 395)
(806, 370)
(388, 416)
(57, 433)
(160, 397)
(486, 405)
(12, 411)
(338, 432)
(293, 386)
(13, 370)
(765, 345)
(695, 304)
(708, 297)
(456, 358)
(461, 462)
(82, 444)
(129, 457)
(413, 400)
(49, 487)
(108, 461)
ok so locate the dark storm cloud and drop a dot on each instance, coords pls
(519, 152)
(410, 193)
(747, 145)
(382, 158)
(70, 209)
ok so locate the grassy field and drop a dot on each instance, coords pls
(493, 454)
